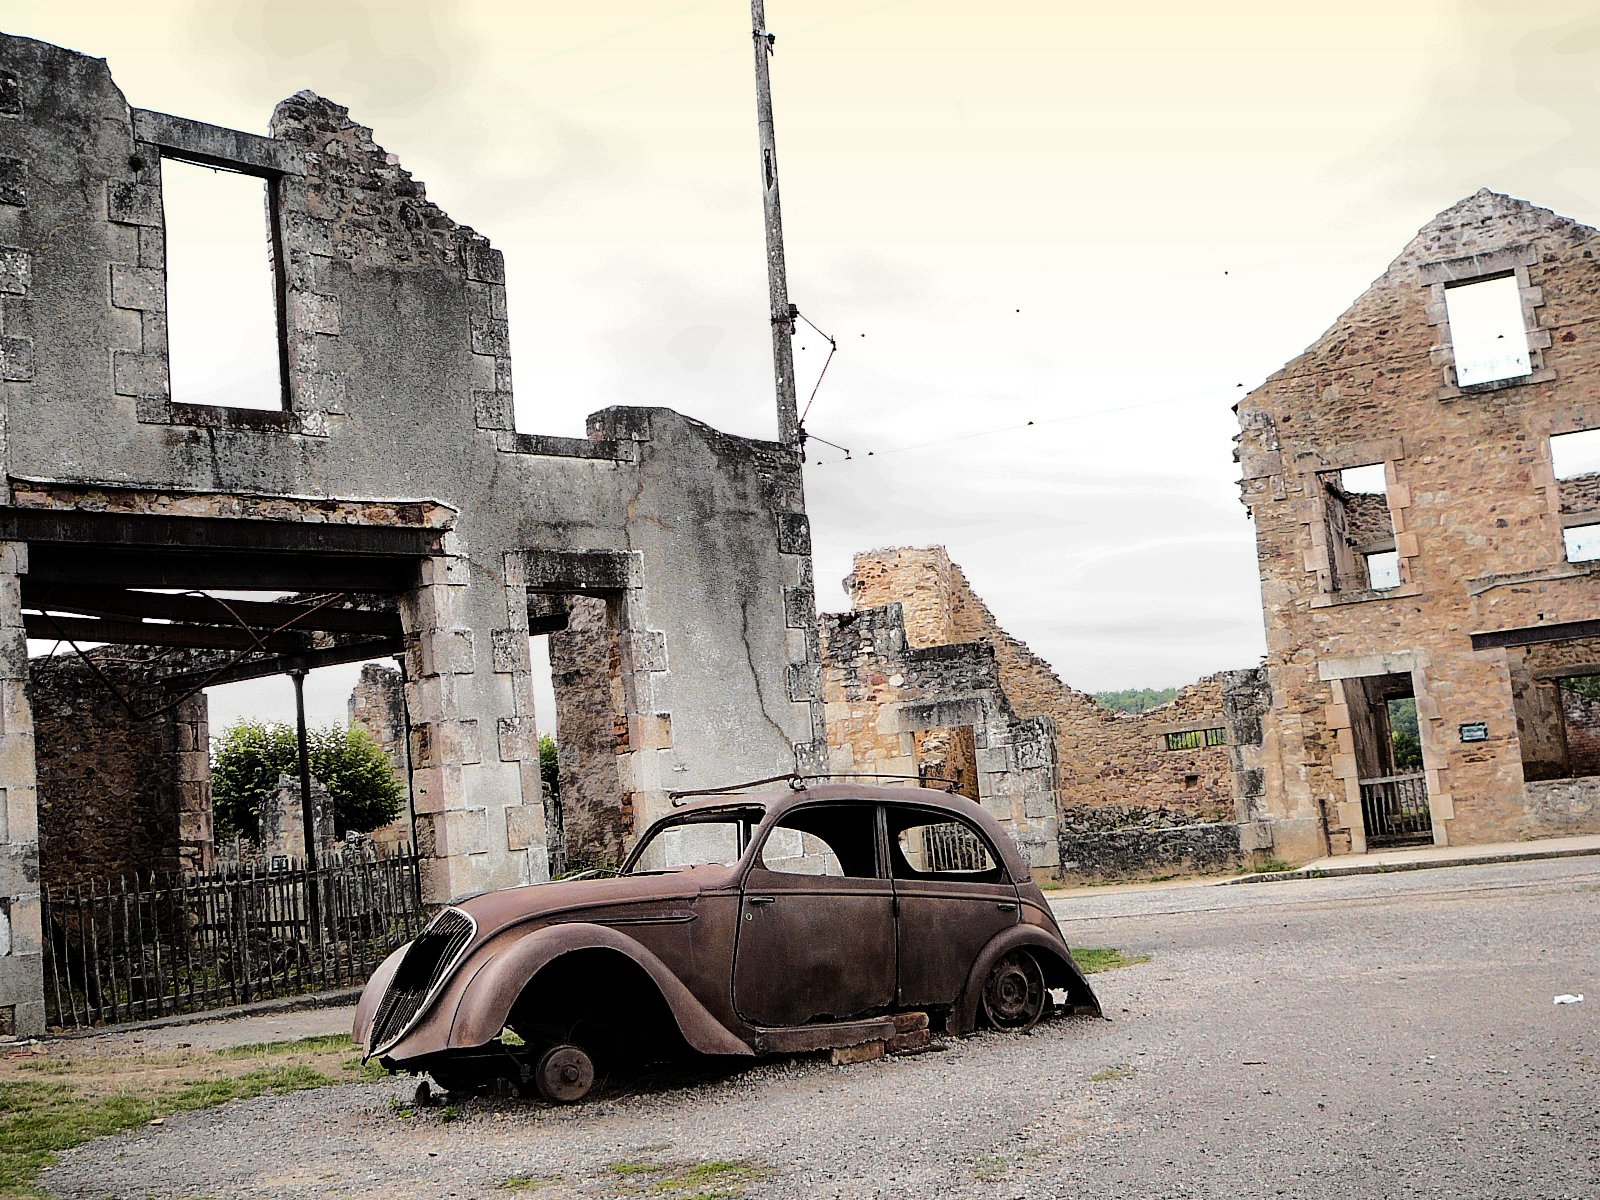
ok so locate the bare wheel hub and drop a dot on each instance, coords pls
(564, 1074)
(1014, 994)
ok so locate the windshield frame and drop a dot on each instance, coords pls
(749, 835)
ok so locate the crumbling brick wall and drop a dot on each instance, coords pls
(124, 774)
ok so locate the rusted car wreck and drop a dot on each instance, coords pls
(769, 922)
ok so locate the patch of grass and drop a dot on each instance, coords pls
(1267, 866)
(528, 1183)
(75, 1092)
(713, 1180)
(449, 1113)
(990, 1166)
(1092, 960)
(1111, 1074)
(1051, 885)
(634, 1168)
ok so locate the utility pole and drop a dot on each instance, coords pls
(783, 313)
(308, 817)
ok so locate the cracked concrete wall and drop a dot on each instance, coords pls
(1477, 516)
(398, 412)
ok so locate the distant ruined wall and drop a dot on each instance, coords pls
(1108, 762)
(124, 775)
(377, 704)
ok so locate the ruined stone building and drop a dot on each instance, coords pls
(1426, 500)
(390, 470)
(920, 679)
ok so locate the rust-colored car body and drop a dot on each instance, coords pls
(747, 959)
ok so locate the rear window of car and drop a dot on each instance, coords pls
(927, 845)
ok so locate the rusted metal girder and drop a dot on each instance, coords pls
(205, 610)
(154, 633)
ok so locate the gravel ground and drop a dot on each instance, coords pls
(1371, 1036)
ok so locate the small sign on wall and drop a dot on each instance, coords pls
(1475, 731)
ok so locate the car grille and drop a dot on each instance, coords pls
(421, 974)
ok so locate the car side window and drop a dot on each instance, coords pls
(938, 846)
(837, 840)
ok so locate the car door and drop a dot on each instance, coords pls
(816, 928)
(953, 896)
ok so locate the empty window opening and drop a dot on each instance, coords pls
(1575, 458)
(834, 840)
(1360, 530)
(224, 339)
(1487, 330)
(1558, 723)
(1388, 759)
(1197, 739)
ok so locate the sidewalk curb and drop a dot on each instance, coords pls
(333, 999)
(1427, 864)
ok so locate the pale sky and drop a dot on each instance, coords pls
(1110, 221)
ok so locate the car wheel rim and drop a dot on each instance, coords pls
(1014, 995)
(564, 1074)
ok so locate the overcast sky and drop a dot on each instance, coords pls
(1107, 220)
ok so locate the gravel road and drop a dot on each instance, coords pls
(1368, 1036)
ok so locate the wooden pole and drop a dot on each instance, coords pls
(783, 313)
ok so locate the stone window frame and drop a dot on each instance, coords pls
(1318, 558)
(307, 314)
(1512, 261)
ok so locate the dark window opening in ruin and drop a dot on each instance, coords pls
(225, 342)
(1488, 331)
(1575, 458)
(1388, 756)
(589, 820)
(1359, 529)
(1196, 739)
(947, 759)
(1558, 725)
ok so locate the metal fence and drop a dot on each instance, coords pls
(1395, 808)
(148, 947)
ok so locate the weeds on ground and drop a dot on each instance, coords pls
(528, 1183)
(716, 1180)
(990, 1166)
(1112, 1073)
(1092, 960)
(1267, 866)
(52, 1102)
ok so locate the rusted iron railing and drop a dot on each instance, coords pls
(1395, 808)
(152, 946)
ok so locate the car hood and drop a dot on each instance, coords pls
(600, 897)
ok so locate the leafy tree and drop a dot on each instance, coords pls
(1135, 700)
(248, 758)
(1404, 734)
(548, 770)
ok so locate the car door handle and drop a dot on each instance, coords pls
(1005, 906)
(761, 899)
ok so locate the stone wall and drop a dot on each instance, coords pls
(592, 729)
(377, 704)
(124, 768)
(1103, 757)
(1477, 518)
(1112, 769)
(881, 692)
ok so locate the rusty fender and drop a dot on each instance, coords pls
(1059, 971)
(473, 1008)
